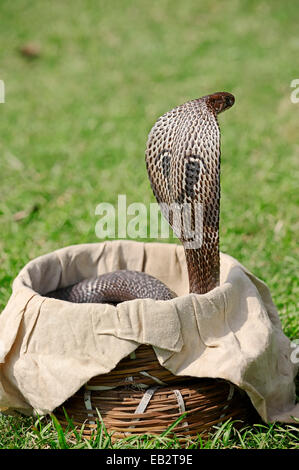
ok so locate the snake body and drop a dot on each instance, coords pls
(114, 287)
(183, 165)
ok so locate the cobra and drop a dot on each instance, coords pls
(183, 165)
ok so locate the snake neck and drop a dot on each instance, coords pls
(202, 254)
(203, 268)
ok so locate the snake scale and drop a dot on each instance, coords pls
(183, 165)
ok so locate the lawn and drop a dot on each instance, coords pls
(75, 121)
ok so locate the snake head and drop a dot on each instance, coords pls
(220, 101)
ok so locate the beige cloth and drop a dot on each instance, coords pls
(50, 348)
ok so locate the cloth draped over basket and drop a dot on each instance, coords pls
(50, 348)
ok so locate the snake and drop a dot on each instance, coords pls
(182, 159)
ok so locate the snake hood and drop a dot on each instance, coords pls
(183, 164)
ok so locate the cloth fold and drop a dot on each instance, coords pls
(49, 348)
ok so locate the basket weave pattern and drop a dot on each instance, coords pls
(139, 396)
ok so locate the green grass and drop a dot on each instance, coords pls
(75, 122)
(44, 433)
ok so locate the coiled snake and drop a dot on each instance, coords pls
(183, 164)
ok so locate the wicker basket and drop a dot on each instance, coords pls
(139, 397)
